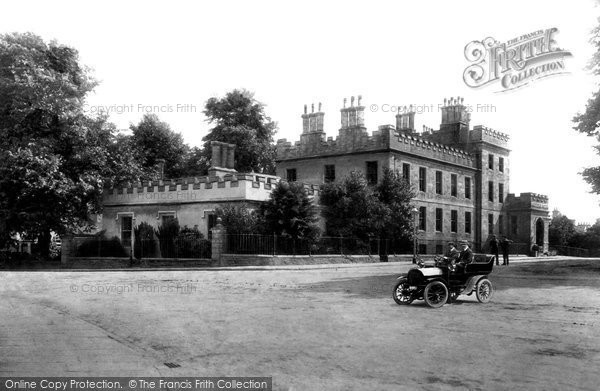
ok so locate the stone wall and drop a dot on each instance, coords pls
(281, 260)
(125, 263)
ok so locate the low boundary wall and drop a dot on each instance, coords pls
(280, 260)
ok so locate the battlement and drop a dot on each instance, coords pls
(410, 143)
(446, 144)
(231, 187)
(527, 200)
(485, 134)
(350, 142)
(383, 139)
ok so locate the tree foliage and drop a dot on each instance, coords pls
(561, 231)
(589, 239)
(588, 122)
(53, 159)
(354, 208)
(395, 194)
(290, 212)
(238, 118)
(152, 140)
(239, 219)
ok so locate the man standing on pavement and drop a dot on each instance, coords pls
(505, 244)
(494, 249)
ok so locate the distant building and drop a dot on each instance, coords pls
(461, 175)
(582, 227)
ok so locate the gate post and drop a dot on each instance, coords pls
(67, 248)
(218, 242)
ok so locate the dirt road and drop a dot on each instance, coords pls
(324, 329)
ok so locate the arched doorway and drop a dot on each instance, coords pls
(539, 232)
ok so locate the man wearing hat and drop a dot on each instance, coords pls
(453, 252)
(494, 248)
(466, 255)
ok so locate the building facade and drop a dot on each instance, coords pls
(192, 201)
(461, 175)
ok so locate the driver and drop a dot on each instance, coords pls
(452, 256)
(453, 252)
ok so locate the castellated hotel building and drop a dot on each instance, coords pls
(461, 177)
(460, 174)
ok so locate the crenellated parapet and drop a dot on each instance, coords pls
(448, 144)
(353, 140)
(255, 187)
(410, 143)
(527, 201)
(233, 187)
(482, 133)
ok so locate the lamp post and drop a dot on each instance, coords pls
(415, 215)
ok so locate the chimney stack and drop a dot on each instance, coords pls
(353, 116)
(313, 122)
(405, 119)
(161, 168)
(222, 160)
(454, 111)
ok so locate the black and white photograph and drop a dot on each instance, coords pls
(294, 196)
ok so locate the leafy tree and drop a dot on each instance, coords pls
(353, 208)
(144, 240)
(154, 140)
(239, 219)
(52, 157)
(350, 207)
(240, 119)
(167, 234)
(196, 163)
(589, 122)
(113, 153)
(590, 239)
(290, 212)
(561, 231)
(395, 194)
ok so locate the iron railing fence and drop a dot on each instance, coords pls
(573, 251)
(183, 248)
(282, 245)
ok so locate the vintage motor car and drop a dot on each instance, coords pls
(442, 282)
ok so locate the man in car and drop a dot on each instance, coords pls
(453, 252)
(466, 255)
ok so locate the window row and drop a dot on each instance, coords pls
(491, 192)
(439, 220)
(491, 161)
(372, 172)
(439, 181)
(371, 169)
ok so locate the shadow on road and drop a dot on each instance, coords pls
(538, 275)
(373, 287)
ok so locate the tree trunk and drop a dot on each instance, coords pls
(44, 244)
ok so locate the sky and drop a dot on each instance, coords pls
(168, 58)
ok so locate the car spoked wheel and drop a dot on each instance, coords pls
(484, 290)
(435, 294)
(401, 293)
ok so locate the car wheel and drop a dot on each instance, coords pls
(400, 293)
(435, 294)
(484, 290)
